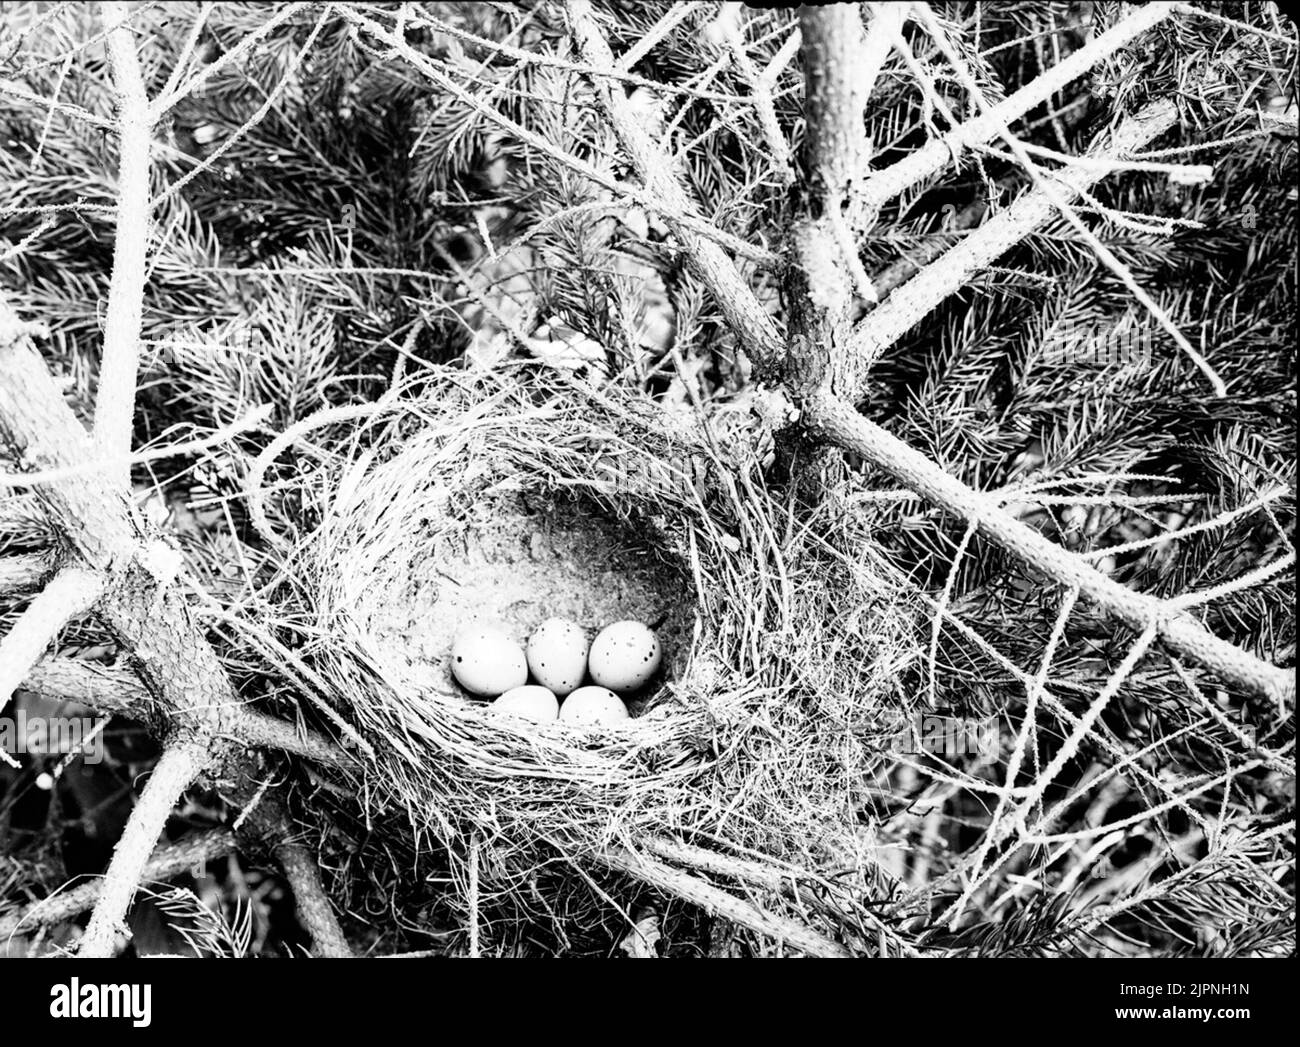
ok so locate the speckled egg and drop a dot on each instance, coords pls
(593, 705)
(624, 656)
(530, 702)
(557, 655)
(486, 662)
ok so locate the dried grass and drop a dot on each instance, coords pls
(781, 690)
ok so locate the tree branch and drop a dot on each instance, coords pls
(312, 904)
(719, 903)
(954, 269)
(141, 605)
(73, 591)
(168, 861)
(180, 763)
(115, 398)
(267, 822)
(145, 610)
(23, 572)
(838, 421)
(1062, 203)
(745, 316)
(887, 183)
(114, 690)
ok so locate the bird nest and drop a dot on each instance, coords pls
(521, 495)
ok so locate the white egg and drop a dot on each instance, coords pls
(530, 702)
(486, 661)
(593, 705)
(624, 656)
(557, 655)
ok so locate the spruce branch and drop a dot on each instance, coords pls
(550, 61)
(955, 268)
(761, 84)
(637, 194)
(883, 185)
(115, 398)
(168, 861)
(718, 902)
(111, 690)
(676, 14)
(311, 903)
(1061, 202)
(806, 889)
(837, 420)
(71, 592)
(23, 572)
(139, 601)
(266, 821)
(181, 762)
(732, 293)
(173, 94)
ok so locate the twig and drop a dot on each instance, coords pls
(719, 903)
(954, 269)
(237, 135)
(643, 197)
(673, 17)
(180, 763)
(719, 273)
(115, 397)
(760, 874)
(187, 50)
(473, 897)
(23, 572)
(728, 23)
(236, 54)
(168, 861)
(839, 421)
(71, 592)
(1062, 202)
(882, 186)
(310, 901)
(1028, 729)
(265, 822)
(519, 54)
(114, 690)
(252, 420)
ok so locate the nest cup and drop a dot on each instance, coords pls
(518, 495)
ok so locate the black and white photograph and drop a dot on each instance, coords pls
(595, 479)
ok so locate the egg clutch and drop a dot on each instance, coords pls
(622, 657)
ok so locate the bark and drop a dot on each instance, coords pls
(178, 766)
(114, 690)
(115, 400)
(73, 591)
